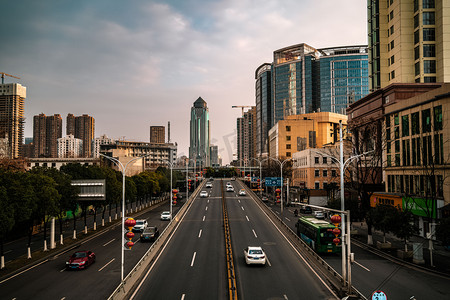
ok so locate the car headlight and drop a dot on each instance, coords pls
(82, 263)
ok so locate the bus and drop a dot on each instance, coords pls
(318, 234)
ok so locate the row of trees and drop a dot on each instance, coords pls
(29, 199)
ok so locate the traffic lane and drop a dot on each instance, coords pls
(285, 275)
(193, 259)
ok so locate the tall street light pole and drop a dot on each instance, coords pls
(123, 169)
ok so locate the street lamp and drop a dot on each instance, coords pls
(171, 167)
(123, 169)
(260, 174)
(281, 171)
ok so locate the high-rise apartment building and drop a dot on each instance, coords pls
(157, 134)
(46, 131)
(97, 142)
(199, 133)
(263, 92)
(82, 127)
(12, 98)
(246, 135)
(70, 147)
(409, 41)
(214, 155)
(306, 79)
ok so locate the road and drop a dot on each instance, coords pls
(193, 264)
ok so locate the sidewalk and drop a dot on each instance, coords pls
(441, 256)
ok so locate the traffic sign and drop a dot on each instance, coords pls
(379, 295)
(273, 181)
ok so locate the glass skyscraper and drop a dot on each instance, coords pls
(200, 134)
(263, 92)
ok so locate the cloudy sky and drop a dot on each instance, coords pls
(136, 63)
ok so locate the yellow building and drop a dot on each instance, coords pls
(299, 132)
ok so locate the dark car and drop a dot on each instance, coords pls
(306, 210)
(264, 199)
(80, 260)
(150, 234)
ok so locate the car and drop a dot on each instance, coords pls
(254, 255)
(150, 234)
(80, 260)
(242, 192)
(229, 184)
(264, 199)
(230, 188)
(233, 178)
(319, 214)
(140, 226)
(165, 215)
(208, 184)
(203, 194)
(306, 210)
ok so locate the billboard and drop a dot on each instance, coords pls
(91, 189)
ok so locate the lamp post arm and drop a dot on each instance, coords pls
(347, 162)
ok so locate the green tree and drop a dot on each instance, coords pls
(384, 218)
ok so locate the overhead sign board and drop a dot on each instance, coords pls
(273, 181)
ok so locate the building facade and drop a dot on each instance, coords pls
(200, 134)
(97, 142)
(409, 41)
(246, 135)
(263, 93)
(46, 132)
(12, 99)
(299, 132)
(70, 147)
(157, 134)
(82, 127)
(214, 154)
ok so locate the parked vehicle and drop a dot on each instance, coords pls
(80, 260)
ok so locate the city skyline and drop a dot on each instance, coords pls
(131, 66)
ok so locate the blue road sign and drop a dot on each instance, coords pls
(273, 181)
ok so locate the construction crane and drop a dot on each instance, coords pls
(3, 76)
(242, 107)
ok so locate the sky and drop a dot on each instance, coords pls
(140, 63)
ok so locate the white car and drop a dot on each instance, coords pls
(242, 192)
(208, 185)
(229, 184)
(140, 226)
(230, 188)
(254, 255)
(165, 215)
(319, 214)
(203, 194)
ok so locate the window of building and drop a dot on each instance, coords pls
(396, 119)
(325, 173)
(416, 53)
(392, 74)
(333, 173)
(428, 35)
(396, 132)
(413, 144)
(437, 149)
(405, 126)
(429, 66)
(391, 30)
(429, 79)
(388, 147)
(416, 21)
(416, 5)
(316, 173)
(288, 138)
(317, 185)
(288, 146)
(397, 159)
(417, 68)
(288, 154)
(391, 14)
(392, 59)
(392, 44)
(426, 120)
(415, 128)
(388, 161)
(397, 146)
(437, 114)
(288, 128)
(388, 121)
(428, 18)
(324, 160)
(316, 160)
(428, 3)
(429, 50)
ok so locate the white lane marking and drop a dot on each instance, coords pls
(62, 270)
(107, 264)
(206, 202)
(254, 233)
(63, 298)
(24, 271)
(193, 259)
(239, 201)
(242, 208)
(109, 242)
(182, 296)
(285, 297)
(361, 266)
(206, 208)
(268, 261)
(203, 218)
(287, 219)
(200, 233)
(277, 212)
(247, 218)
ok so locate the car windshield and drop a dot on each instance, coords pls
(255, 251)
(139, 222)
(79, 254)
(149, 230)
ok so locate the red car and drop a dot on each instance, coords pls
(80, 260)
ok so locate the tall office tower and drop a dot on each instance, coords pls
(157, 134)
(246, 136)
(306, 79)
(409, 41)
(12, 98)
(199, 134)
(82, 127)
(46, 131)
(263, 87)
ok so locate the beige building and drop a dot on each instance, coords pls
(157, 134)
(409, 41)
(299, 132)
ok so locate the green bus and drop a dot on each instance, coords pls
(318, 234)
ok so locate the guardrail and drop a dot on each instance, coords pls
(129, 283)
(327, 271)
(232, 288)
